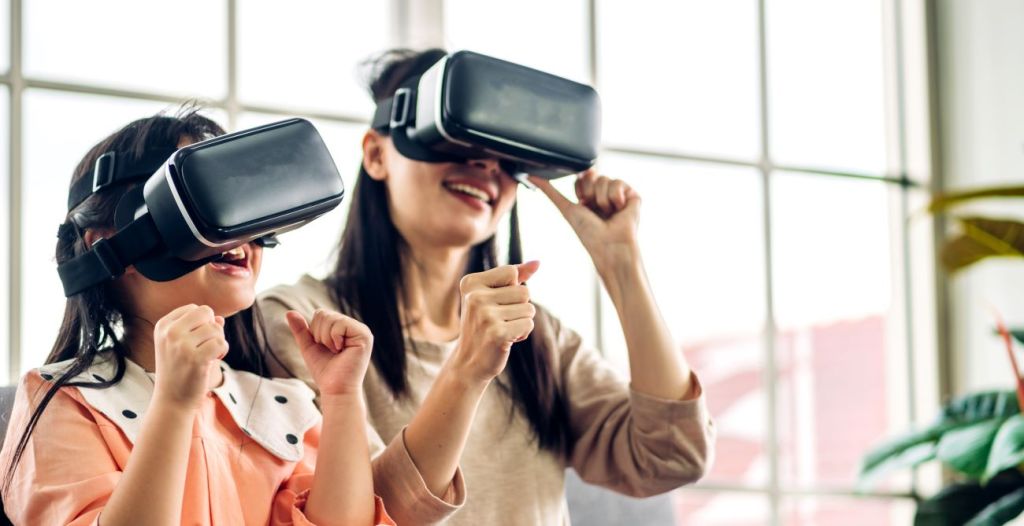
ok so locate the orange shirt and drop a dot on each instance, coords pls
(253, 451)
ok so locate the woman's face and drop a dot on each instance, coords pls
(440, 204)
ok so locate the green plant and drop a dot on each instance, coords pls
(979, 436)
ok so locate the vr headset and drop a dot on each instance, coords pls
(202, 200)
(471, 106)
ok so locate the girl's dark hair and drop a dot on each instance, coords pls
(92, 319)
(370, 256)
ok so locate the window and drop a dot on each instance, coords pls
(773, 228)
(766, 137)
(84, 80)
(5, 221)
(124, 44)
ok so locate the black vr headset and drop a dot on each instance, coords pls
(471, 106)
(203, 200)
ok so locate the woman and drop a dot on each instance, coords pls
(155, 406)
(417, 264)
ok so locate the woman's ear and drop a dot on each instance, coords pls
(373, 155)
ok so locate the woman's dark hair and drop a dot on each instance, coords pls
(370, 257)
(92, 319)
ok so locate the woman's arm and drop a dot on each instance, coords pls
(656, 365)
(495, 314)
(605, 219)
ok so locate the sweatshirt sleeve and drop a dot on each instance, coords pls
(624, 440)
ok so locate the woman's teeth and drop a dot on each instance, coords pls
(471, 191)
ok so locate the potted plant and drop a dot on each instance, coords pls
(980, 436)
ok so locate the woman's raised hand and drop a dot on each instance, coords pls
(496, 312)
(605, 216)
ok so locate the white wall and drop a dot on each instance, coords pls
(981, 75)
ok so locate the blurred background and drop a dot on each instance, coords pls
(785, 150)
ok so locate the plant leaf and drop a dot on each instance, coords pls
(983, 405)
(910, 449)
(1001, 511)
(1007, 447)
(1018, 334)
(944, 201)
(902, 457)
(966, 449)
(983, 238)
(954, 505)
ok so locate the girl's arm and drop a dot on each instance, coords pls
(188, 341)
(153, 484)
(337, 349)
(605, 219)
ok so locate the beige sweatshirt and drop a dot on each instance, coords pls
(623, 440)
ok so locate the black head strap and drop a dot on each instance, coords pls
(117, 168)
(393, 117)
(107, 258)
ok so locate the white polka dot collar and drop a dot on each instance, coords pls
(275, 413)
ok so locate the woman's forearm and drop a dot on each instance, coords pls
(437, 433)
(342, 491)
(657, 366)
(152, 488)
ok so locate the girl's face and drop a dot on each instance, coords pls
(226, 286)
(440, 204)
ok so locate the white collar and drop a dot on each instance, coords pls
(274, 412)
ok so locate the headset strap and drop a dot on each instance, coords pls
(108, 258)
(117, 168)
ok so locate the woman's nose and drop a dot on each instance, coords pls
(489, 165)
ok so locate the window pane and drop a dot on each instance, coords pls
(306, 55)
(566, 279)
(826, 86)
(718, 508)
(701, 232)
(127, 44)
(555, 42)
(841, 349)
(687, 81)
(847, 511)
(310, 249)
(59, 129)
(5, 240)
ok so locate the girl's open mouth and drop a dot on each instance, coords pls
(234, 262)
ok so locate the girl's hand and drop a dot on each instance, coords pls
(605, 218)
(188, 342)
(336, 349)
(496, 312)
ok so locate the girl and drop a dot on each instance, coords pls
(417, 263)
(154, 407)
